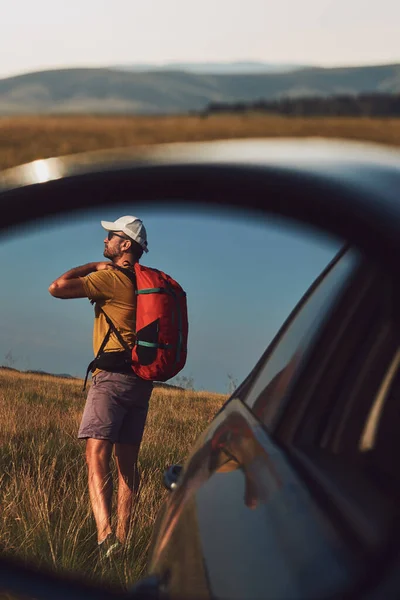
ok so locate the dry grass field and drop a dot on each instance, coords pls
(45, 515)
(23, 139)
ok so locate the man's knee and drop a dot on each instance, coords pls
(126, 458)
(98, 451)
(126, 452)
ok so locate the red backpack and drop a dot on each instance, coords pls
(160, 349)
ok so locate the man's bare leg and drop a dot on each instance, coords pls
(128, 485)
(98, 454)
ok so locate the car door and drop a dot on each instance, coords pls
(250, 517)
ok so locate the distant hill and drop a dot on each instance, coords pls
(236, 67)
(61, 375)
(38, 372)
(166, 92)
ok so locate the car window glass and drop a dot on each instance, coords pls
(271, 383)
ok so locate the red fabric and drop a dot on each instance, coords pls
(160, 308)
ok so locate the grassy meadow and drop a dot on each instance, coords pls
(27, 138)
(45, 514)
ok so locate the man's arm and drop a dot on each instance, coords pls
(70, 285)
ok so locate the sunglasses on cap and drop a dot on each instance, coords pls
(111, 234)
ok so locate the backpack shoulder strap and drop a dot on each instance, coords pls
(114, 330)
(93, 363)
(129, 273)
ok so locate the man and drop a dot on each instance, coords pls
(117, 403)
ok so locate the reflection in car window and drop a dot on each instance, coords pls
(380, 438)
(270, 385)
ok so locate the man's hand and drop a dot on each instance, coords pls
(102, 266)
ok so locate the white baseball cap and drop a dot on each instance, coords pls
(131, 226)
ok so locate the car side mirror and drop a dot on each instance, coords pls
(171, 476)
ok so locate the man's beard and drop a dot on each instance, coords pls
(111, 255)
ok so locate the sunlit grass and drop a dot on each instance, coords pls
(45, 512)
(28, 138)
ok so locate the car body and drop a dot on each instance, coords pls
(293, 489)
(279, 499)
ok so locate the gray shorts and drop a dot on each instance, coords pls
(116, 408)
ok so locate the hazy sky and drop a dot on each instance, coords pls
(46, 34)
(242, 278)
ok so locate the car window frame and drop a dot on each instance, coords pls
(379, 345)
(351, 309)
(244, 389)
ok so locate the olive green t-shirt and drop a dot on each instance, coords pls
(115, 294)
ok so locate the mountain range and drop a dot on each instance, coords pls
(165, 91)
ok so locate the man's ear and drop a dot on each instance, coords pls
(127, 245)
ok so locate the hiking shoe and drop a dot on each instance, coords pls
(109, 548)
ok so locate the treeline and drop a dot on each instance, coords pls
(363, 105)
